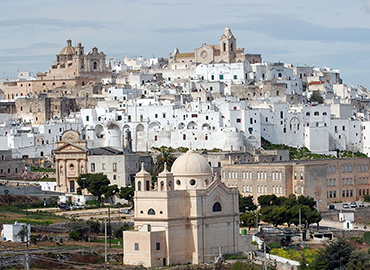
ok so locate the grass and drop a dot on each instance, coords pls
(113, 241)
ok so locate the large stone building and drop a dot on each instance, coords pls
(72, 68)
(326, 181)
(189, 218)
(226, 52)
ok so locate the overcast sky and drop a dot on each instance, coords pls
(333, 33)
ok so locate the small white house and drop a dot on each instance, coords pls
(347, 218)
(11, 232)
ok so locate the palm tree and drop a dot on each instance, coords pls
(166, 156)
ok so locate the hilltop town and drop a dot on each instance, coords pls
(191, 135)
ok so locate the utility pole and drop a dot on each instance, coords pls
(28, 252)
(300, 221)
(109, 227)
(264, 252)
(106, 258)
(89, 238)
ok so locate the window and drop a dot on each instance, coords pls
(92, 167)
(157, 246)
(212, 77)
(151, 211)
(316, 113)
(184, 137)
(238, 120)
(164, 115)
(136, 246)
(103, 166)
(221, 77)
(216, 207)
(235, 77)
(114, 167)
(343, 193)
(87, 118)
(301, 175)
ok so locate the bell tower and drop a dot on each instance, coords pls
(227, 45)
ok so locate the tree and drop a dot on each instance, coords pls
(280, 210)
(22, 234)
(316, 97)
(127, 193)
(267, 200)
(96, 183)
(111, 191)
(276, 215)
(166, 155)
(248, 219)
(336, 255)
(246, 203)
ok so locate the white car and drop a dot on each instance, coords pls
(124, 211)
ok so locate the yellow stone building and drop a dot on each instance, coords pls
(189, 218)
(70, 161)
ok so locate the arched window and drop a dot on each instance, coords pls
(307, 113)
(162, 185)
(151, 211)
(139, 186)
(316, 113)
(42, 154)
(216, 207)
(95, 65)
(170, 185)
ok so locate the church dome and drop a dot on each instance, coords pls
(69, 49)
(191, 163)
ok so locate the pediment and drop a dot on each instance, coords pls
(70, 147)
(218, 186)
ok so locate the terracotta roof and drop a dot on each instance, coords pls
(184, 55)
(316, 82)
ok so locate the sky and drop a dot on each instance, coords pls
(332, 33)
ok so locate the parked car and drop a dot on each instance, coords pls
(353, 204)
(77, 206)
(64, 207)
(345, 205)
(331, 206)
(124, 211)
(361, 204)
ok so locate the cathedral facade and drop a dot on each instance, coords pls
(73, 67)
(225, 52)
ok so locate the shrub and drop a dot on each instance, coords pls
(117, 231)
(92, 203)
(75, 235)
(254, 243)
(367, 198)
(366, 238)
(273, 245)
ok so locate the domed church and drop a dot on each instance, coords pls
(189, 218)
